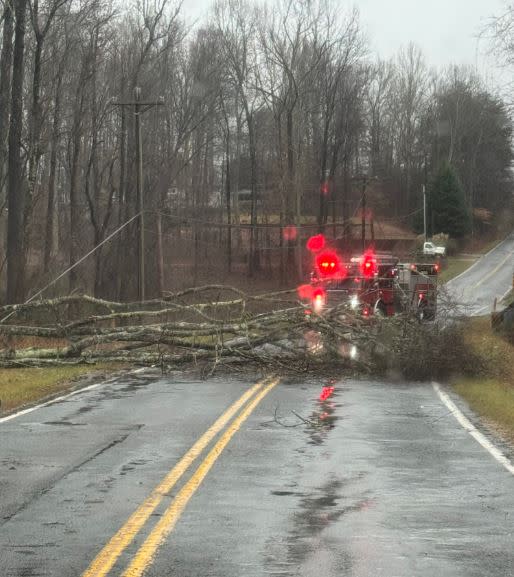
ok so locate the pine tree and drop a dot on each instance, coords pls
(450, 214)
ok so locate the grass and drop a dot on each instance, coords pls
(20, 387)
(491, 399)
(454, 266)
(490, 394)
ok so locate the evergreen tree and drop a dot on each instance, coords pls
(450, 214)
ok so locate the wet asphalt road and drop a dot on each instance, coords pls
(489, 278)
(380, 480)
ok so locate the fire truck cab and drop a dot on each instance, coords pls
(377, 284)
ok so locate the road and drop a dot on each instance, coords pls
(489, 278)
(164, 476)
(379, 480)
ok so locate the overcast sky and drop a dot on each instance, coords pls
(446, 30)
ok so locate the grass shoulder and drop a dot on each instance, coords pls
(454, 266)
(491, 393)
(27, 386)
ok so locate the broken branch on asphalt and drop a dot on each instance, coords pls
(272, 331)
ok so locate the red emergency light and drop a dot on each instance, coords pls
(316, 243)
(369, 264)
(328, 263)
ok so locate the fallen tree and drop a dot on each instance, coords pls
(214, 326)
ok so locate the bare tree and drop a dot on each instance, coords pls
(5, 91)
(16, 190)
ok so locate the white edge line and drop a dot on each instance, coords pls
(50, 402)
(502, 298)
(473, 431)
(479, 259)
(63, 397)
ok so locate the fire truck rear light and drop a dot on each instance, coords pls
(328, 263)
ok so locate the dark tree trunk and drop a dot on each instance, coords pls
(74, 209)
(5, 89)
(228, 195)
(50, 212)
(253, 261)
(16, 190)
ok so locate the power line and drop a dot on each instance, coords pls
(188, 220)
(71, 267)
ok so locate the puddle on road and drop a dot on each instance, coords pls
(316, 512)
(287, 493)
(64, 423)
(131, 466)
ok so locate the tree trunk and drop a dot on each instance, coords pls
(5, 90)
(159, 256)
(50, 212)
(291, 199)
(76, 136)
(253, 261)
(228, 197)
(16, 190)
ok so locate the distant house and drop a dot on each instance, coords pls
(383, 235)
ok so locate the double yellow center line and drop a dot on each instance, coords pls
(109, 555)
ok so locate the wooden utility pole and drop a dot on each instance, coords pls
(139, 108)
(424, 213)
(363, 216)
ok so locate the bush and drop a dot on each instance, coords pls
(424, 352)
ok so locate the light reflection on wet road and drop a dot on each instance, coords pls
(378, 480)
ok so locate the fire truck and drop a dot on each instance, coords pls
(376, 284)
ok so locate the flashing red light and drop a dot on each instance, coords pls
(328, 263)
(436, 268)
(365, 312)
(413, 267)
(369, 264)
(290, 233)
(324, 188)
(316, 243)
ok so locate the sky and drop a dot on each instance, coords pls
(446, 30)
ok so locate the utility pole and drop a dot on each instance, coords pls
(424, 213)
(139, 108)
(363, 217)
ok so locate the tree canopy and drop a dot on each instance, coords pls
(450, 215)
